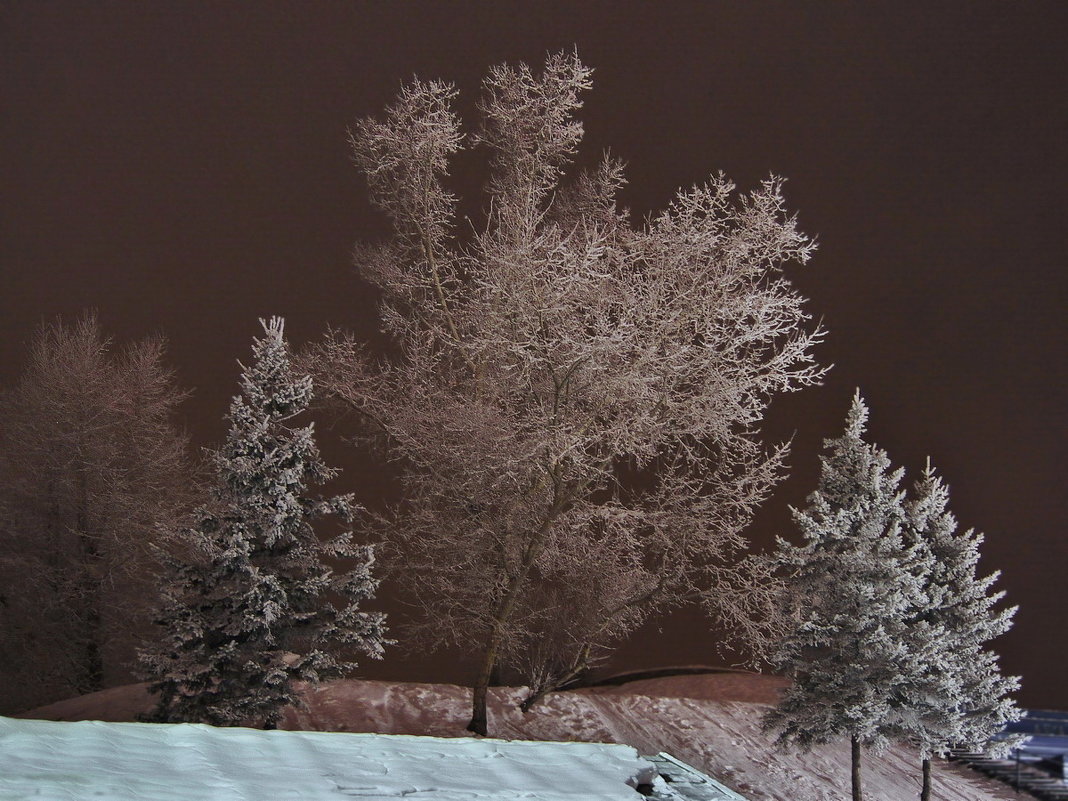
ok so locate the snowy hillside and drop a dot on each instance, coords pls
(711, 731)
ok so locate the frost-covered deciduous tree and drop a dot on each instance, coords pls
(259, 607)
(92, 467)
(573, 400)
(959, 698)
(854, 586)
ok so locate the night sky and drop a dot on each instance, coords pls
(183, 169)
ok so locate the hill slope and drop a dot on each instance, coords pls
(712, 731)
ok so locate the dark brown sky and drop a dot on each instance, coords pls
(182, 168)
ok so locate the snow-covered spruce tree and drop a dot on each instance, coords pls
(573, 400)
(256, 612)
(959, 699)
(853, 586)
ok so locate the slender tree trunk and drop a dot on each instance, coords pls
(858, 795)
(94, 659)
(479, 719)
(479, 723)
(925, 792)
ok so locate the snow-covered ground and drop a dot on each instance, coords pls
(696, 718)
(146, 762)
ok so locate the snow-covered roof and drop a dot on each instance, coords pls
(163, 762)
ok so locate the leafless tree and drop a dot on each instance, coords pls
(574, 399)
(91, 465)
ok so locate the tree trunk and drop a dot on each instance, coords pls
(479, 720)
(91, 557)
(94, 659)
(858, 795)
(478, 723)
(925, 791)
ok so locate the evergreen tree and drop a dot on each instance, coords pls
(853, 586)
(255, 613)
(959, 697)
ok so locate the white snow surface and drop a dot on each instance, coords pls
(711, 722)
(179, 762)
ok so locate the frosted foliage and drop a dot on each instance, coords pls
(573, 400)
(854, 582)
(92, 467)
(256, 609)
(959, 698)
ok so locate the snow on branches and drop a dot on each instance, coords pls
(887, 618)
(258, 610)
(574, 399)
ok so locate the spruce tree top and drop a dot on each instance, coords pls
(856, 475)
(267, 465)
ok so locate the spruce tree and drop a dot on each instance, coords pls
(853, 585)
(959, 698)
(253, 611)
